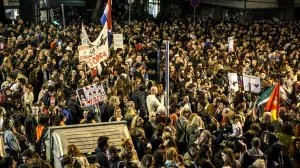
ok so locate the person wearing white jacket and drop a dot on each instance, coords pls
(152, 101)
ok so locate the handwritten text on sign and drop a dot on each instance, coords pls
(91, 94)
(95, 52)
(118, 41)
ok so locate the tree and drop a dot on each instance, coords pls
(97, 12)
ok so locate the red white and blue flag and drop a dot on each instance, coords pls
(106, 18)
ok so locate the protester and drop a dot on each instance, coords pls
(40, 72)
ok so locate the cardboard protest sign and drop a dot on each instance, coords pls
(233, 81)
(252, 82)
(118, 41)
(91, 94)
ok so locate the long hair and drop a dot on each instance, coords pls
(73, 151)
(230, 161)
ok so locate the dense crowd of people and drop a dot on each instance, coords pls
(208, 125)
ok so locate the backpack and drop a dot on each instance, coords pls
(68, 116)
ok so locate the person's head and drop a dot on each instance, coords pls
(171, 154)
(267, 117)
(288, 128)
(90, 116)
(26, 155)
(44, 120)
(103, 142)
(114, 101)
(35, 108)
(159, 158)
(255, 143)
(197, 120)
(205, 137)
(21, 82)
(186, 99)
(147, 161)
(59, 119)
(8, 162)
(153, 90)
(255, 128)
(228, 157)
(73, 151)
(27, 88)
(185, 112)
(118, 112)
(111, 153)
(260, 163)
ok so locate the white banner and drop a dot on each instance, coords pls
(118, 41)
(233, 81)
(230, 44)
(84, 37)
(97, 51)
(91, 94)
(252, 82)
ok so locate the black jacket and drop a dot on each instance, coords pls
(101, 158)
(116, 163)
(250, 156)
(30, 128)
(76, 111)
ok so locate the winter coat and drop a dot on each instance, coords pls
(30, 129)
(101, 158)
(76, 111)
(192, 133)
(153, 103)
(181, 134)
(250, 156)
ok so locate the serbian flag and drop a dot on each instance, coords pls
(273, 102)
(106, 17)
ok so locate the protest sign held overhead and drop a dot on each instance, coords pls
(230, 44)
(118, 41)
(251, 83)
(91, 94)
(233, 81)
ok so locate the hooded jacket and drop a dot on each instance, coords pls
(251, 156)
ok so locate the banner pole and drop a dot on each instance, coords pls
(167, 76)
(63, 15)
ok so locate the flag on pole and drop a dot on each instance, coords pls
(258, 108)
(106, 17)
(273, 102)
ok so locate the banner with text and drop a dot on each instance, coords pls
(91, 94)
(97, 51)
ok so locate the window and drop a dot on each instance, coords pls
(154, 7)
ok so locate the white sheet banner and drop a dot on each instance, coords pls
(233, 81)
(118, 41)
(97, 51)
